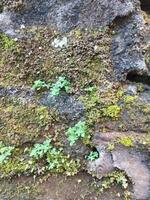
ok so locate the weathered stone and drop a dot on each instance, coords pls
(131, 90)
(6, 23)
(135, 169)
(22, 94)
(67, 106)
(134, 162)
(126, 46)
(101, 166)
(67, 14)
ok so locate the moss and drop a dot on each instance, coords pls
(54, 161)
(61, 163)
(24, 122)
(112, 111)
(91, 99)
(17, 164)
(146, 109)
(112, 178)
(129, 99)
(126, 141)
(26, 62)
(6, 42)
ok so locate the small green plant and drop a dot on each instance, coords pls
(111, 111)
(60, 84)
(92, 155)
(39, 150)
(39, 84)
(58, 162)
(76, 132)
(5, 152)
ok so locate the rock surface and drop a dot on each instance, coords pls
(126, 46)
(126, 159)
(68, 14)
(67, 106)
(83, 40)
(129, 31)
(139, 173)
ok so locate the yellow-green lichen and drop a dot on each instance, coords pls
(112, 111)
(126, 141)
(6, 42)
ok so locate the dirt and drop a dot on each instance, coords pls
(57, 187)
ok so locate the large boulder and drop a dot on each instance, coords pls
(68, 14)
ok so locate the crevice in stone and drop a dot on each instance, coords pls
(145, 5)
(94, 149)
(134, 77)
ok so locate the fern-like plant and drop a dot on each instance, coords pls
(39, 150)
(61, 83)
(39, 84)
(92, 155)
(5, 152)
(76, 132)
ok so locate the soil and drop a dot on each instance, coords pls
(58, 187)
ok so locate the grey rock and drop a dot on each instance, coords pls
(101, 166)
(6, 24)
(135, 169)
(67, 105)
(24, 95)
(131, 90)
(126, 46)
(68, 14)
(145, 97)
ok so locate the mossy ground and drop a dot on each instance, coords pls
(86, 64)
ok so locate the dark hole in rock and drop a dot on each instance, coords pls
(1, 8)
(134, 77)
(145, 5)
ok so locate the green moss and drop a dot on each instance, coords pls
(24, 123)
(113, 178)
(146, 109)
(91, 99)
(17, 164)
(37, 160)
(26, 62)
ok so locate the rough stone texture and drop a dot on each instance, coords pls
(126, 160)
(134, 162)
(22, 94)
(101, 166)
(6, 23)
(135, 169)
(68, 14)
(126, 46)
(67, 106)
